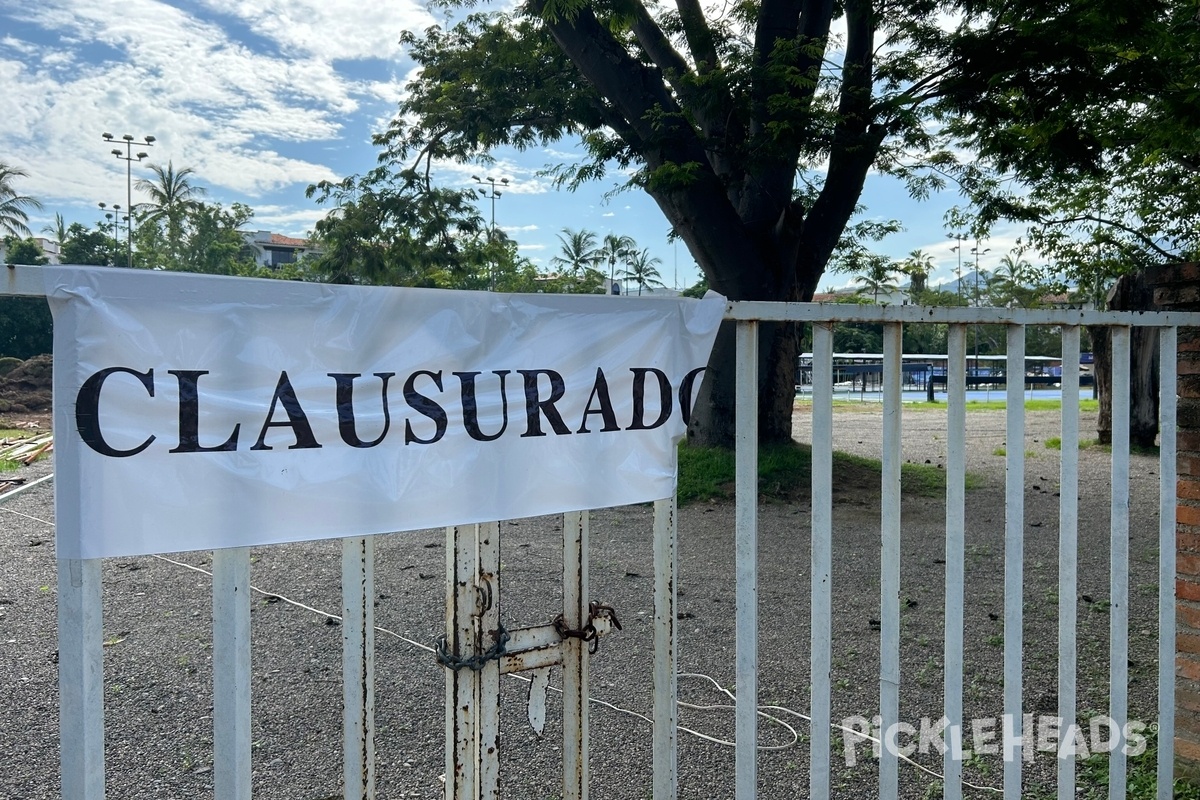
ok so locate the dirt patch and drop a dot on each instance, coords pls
(158, 656)
(26, 389)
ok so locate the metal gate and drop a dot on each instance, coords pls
(476, 650)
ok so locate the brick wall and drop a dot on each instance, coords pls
(1177, 288)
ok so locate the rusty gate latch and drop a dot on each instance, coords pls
(601, 618)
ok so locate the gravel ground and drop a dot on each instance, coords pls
(158, 654)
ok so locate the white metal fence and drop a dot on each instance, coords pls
(477, 651)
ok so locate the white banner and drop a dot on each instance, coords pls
(195, 412)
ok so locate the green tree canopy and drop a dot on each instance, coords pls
(202, 237)
(24, 251)
(86, 246)
(173, 196)
(392, 226)
(1101, 153)
(750, 125)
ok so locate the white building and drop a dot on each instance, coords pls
(274, 249)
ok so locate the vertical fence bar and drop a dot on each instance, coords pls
(956, 471)
(889, 563)
(820, 642)
(358, 668)
(1068, 539)
(231, 673)
(81, 679)
(746, 562)
(487, 703)
(1118, 582)
(1168, 406)
(1014, 560)
(575, 657)
(461, 602)
(666, 658)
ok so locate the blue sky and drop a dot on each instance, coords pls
(264, 97)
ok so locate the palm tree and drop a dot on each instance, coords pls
(172, 196)
(57, 230)
(616, 249)
(14, 219)
(877, 275)
(579, 251)
(1009, 279)
(917, 267)
(642, 270)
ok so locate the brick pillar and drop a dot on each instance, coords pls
(1177, 288)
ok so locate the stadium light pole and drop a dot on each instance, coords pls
(129, 157)
(975, 254)
(113, 214)
(491, 194)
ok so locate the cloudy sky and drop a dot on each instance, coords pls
(263, 98)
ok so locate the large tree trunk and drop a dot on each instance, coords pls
(1102, 378)
(714, 419)
(737, 210)
(1130, 293)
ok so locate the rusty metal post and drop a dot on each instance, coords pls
(487, 679)
(575, 657)
(461, 600)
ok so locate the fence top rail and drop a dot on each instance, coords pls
(746, 310)
(27, 281)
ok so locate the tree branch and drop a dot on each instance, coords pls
(1145, 240)
(699, 36)
(687, 189)
(707, 107)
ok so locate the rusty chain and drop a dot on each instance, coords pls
(588, 632)
(475, 662)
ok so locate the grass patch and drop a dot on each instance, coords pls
(785, 474)
(1054, 443)
(8, 466)
(1141, 780)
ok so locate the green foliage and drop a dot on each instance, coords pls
(26, 328)
(643, 271)
(396, 228)
(696, 290)
(173, 198)
(199, 237)
(1141, 777)
(14, 207)
(754, 128)
(1101, 137)
(95, 247)
(24, 251)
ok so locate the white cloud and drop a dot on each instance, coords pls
(330, 29)
(524, 247)
(286, 220)
(212, 101)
